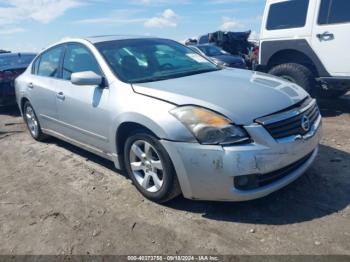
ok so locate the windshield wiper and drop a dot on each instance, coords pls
(151, 79)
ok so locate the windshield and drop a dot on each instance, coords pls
(147, 60)
(211, 50)
(15, 60)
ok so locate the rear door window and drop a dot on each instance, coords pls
(287, 14)
(50, 62)
(35, 66)
(334, 12)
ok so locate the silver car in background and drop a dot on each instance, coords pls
(172, 119)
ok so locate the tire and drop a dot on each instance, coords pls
(331, 94)
(153, 173)
(32, 122)
(296, 73)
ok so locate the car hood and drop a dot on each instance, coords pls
(240, 95)
(230, 59)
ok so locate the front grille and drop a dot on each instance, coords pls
(259, 180)
(293, 126)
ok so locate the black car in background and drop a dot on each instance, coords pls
(11, 66)
(219, 56)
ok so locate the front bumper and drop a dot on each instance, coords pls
(208, 172)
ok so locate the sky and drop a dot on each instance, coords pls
(31, 25)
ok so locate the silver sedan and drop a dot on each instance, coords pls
(176, 122)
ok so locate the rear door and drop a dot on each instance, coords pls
(42, 86)
(83, 110)
(331, 36)
(284, 22)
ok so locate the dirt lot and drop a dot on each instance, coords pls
(58, 199)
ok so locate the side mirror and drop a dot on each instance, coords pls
(87, 78)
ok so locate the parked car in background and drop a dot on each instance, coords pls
(219, 56)
(306, 42)
(208, 132)
(11, 66)
(235, 43)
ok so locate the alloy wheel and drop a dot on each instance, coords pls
(32, 122)
(146, 166)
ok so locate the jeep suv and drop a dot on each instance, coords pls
(306, 42)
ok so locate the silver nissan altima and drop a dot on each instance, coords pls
(176, 122)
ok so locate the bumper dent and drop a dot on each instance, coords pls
(207, 172)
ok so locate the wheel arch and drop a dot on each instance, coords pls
(159, 125)
(292, 56)
(22, 102)
(291, 51)
(125, 129)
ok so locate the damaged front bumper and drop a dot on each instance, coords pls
(210, 172)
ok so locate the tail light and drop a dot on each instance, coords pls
(6, 75)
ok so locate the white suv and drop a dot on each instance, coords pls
(307, 42)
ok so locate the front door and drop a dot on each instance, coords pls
(83, 110)
(331, 36)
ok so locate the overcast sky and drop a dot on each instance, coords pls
(30, 25)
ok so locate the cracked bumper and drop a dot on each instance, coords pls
(207, 172)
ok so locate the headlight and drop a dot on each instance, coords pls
(209, 127)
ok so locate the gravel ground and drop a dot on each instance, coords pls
(58, 199)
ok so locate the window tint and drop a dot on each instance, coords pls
(211, 50)
(288, 14)
(334, 11)
(49, 62)
(78, 59)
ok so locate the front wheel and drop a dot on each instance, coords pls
(150, 168)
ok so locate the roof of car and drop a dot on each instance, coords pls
(16, 54)
(107, 38)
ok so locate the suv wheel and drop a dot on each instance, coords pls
(150, 168)
(295, 73)
(32, 122)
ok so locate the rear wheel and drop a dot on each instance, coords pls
(150, 168)
(297, 74)
(32, 122)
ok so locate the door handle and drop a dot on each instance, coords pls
(30, 85)
(326, 36)
(60, 96)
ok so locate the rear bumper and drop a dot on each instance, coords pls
(7, 94)
(209, 172)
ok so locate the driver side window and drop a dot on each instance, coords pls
(78, 59)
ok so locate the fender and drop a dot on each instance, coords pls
(270, 48)
(174, 131)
